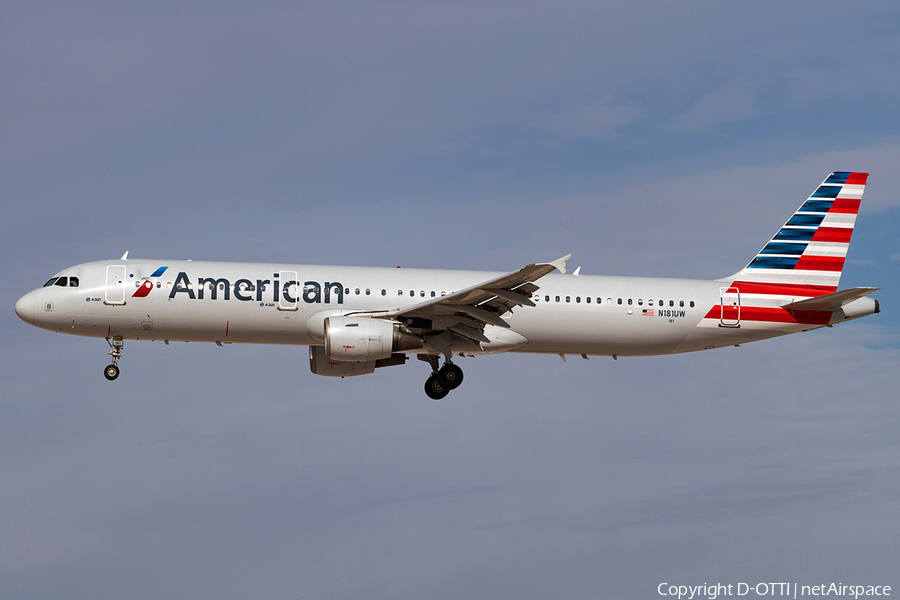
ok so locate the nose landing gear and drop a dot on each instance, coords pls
(116, 344)
(442, 380)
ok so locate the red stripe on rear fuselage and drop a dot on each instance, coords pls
(771, 315)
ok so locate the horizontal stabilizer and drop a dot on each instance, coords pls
(830, 301)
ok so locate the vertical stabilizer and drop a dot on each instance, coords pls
(809, 250)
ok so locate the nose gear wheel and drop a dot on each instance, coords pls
(115, 344)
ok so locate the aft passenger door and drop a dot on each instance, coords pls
(115, 284)
(731, 307)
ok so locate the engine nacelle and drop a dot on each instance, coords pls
(362, 340)
(320, 364)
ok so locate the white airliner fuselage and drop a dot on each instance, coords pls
(355, 319)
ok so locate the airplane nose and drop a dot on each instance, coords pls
(25, 308)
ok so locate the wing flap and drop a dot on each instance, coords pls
(470, 332)
(480, 314)
(512, 296)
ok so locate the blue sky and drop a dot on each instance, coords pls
(658, 139)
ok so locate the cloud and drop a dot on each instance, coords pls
(595, 121)
(715, 109)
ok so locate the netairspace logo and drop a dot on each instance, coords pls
(713, 591)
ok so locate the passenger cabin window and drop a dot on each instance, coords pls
(368, 291)
(357, 291)
(588, 299)
(620, 301)
(629, 302)
(568, 299)
(681, 303)
(384, 292)
(692, 304)
(546, 298)
(433, 294)
(671, 303)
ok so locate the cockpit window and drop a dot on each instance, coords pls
(62, 282)
(51, 282)
(73, 282)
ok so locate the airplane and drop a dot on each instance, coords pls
(358, 319)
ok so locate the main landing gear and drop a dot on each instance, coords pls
(112, 371)
(442, 380)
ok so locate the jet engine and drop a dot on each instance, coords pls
(358, 346)
(356, 339)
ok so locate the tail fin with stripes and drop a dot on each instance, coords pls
(809, 250)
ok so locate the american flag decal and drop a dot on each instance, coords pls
(647, 312)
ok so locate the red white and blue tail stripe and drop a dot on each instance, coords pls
(809, 250)
(792, 282)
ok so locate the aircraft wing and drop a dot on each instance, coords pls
(467, 311)
(830, 301)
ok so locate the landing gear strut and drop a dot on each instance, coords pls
(442, 380)
(112, 371)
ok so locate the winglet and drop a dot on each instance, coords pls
(125, 257)
(560, 263)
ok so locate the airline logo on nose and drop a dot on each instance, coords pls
(147, 285)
